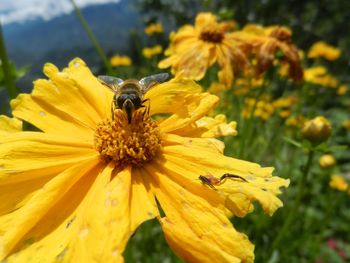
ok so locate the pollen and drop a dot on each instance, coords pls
(126, 143)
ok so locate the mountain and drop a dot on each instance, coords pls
(59, 40)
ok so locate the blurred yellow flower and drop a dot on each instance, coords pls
(339, 183)
(322, 49)
(320, 76)
(117, 61)
(154, 28)
(296, 121)
(216, 87)
(317, 130)
(193, 49)
(285, 102)
(346, 124)
(327, 161)
(244, 85)
(263, 108)
(82, 185)
(341, 91)
(149, 52)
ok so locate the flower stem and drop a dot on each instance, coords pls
(292, 213)
(92, 38)
(8, 76)
(247, 129)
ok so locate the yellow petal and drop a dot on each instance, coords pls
(188, 246)
(9, 125)
(28, 155)
(170, 96)
(210, 144)
(15, 226)
(198, 218)
(142, 203)
(48, 119)
(259, 186)
(102, 206)
(73, 97)
(209, 127)
(194, 108)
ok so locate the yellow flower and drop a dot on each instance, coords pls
(78, 189)
(346, 124)
(149, 52)
(265, 42)
(263, 108)
(327, 161)
(319, 75)
(195, 49)
(338, 182)
(322, 49)
(154, 28)
(296, 121)
(117, 61)
(341, 91)
(317, 130)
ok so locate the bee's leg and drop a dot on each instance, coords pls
(147, 107)
(114, 101)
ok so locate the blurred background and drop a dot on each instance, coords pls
(39, 31)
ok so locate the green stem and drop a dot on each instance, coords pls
(299, 197)
(247, 130)
(8, 76)
(92, 38)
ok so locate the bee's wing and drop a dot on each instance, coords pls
(149, 81)
(110, 82)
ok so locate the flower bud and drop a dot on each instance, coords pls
(327, 161)
(317, 130)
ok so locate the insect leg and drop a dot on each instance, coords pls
(114, 101)
(228, 175)
(147, 107)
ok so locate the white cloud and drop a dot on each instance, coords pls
(23, 10)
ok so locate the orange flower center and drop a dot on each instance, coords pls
(214, 36)
(128, 144)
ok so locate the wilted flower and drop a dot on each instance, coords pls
(117, 61)
(77, 190)
(154, 28)
(327, 161)
(193, 49)
(322, 49)
(265, 42)
(317, 130)
(149, 52)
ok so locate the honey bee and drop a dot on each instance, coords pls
(128, 94)
(212, 181)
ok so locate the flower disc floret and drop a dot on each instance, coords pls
(128, 144)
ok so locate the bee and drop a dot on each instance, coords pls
(128, 94)
(212, 181)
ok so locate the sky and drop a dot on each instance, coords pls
(24, 10)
